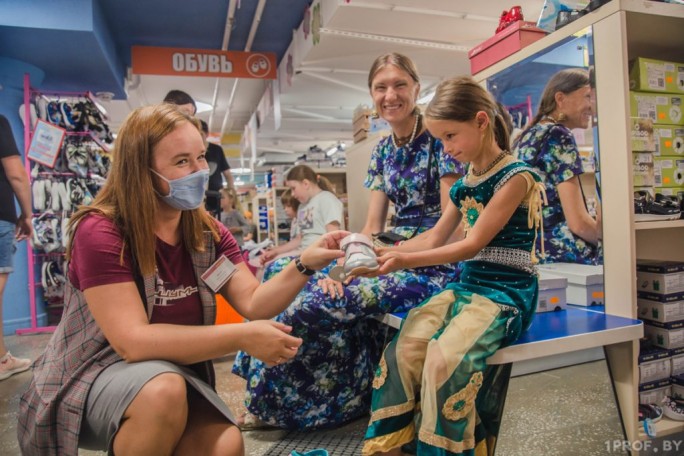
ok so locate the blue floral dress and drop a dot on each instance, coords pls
(329, 382)
(552, 151)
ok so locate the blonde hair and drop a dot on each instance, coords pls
(232, 193)
(128, 197)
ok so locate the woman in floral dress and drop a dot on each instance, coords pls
(571, 234)
(329, 381)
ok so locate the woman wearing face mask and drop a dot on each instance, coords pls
(329, 381)
(129, 368)
(571, 234)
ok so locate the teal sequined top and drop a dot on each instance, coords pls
(504, 270)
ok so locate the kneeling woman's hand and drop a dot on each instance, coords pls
(325, 249)
(271, 342)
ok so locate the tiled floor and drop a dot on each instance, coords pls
(561, 412)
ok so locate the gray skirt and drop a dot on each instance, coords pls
(114, 390)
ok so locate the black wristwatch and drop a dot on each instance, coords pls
(303, 269)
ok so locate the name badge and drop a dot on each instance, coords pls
(219, 273)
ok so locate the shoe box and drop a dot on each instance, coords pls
(654, 364)
(552, 292)
(660, 277)
(668, 171)
(677, 382)
(665, 335)
(551, 8)
(585, 282)
(651, 75)
(643, 169)
(668, 140)
(654, 392)
(661, 108)
(663, 312)
(642, 135)
(508, 41)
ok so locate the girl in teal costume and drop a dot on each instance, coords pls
(437, 361)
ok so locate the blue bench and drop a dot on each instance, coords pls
(551, 333)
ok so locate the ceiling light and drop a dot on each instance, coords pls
(396, 40)
(330, 152)
(203, 107)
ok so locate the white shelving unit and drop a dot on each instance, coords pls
(623, 30)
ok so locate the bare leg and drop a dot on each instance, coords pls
(3, 281)
(208, 432)
(154, 422)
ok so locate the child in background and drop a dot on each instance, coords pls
(291, 206)
(320, 212)
(232, 215)
(441, 351)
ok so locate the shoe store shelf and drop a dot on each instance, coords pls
(659, 225)
(664, 427)
(620, 31)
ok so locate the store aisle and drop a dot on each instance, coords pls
(566, 411)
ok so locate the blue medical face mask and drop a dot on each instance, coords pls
(186, 193)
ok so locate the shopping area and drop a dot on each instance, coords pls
(604, 355)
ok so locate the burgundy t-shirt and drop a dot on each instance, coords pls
(96, 261)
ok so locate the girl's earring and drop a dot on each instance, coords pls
(374, 114)
(562, 117)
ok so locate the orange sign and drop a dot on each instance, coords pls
(203, 62)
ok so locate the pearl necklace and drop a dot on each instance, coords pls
(489, 167)
(400, 142)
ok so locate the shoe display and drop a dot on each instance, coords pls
(648, 209)
(673, 408)
(650, 411)
(359, 257)
(9, 365)
(509, 17)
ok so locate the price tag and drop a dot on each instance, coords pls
(219, 273)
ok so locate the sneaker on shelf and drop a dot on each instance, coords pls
(673, 408)
(646, 209)
(9, 365)
(650, 411)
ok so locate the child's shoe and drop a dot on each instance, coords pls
(9, 365)
(359, 257)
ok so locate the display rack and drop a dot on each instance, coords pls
(623, 30)
(76, 187)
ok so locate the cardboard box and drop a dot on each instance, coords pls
(585, 282)
(677, 361)
(641, 134)
(665, 277)
(549, 12)
(552, 292)
(660, 297)
(654, 392)
(668, 140)
(643, 169)
(668, 171)
(663, 312)
(651, 75)
(661, 108)
(666, 335)
(655, 370)
(511, 39)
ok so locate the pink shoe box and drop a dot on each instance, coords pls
(508, 41)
